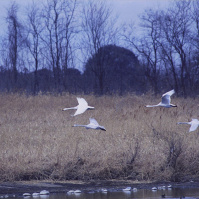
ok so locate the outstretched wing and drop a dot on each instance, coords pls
(82, 106)
(195, 120)
(80, 110)
(166, 98)
(93, 121)
(82, 101)
(193, 127)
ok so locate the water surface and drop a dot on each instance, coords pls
(188, 193)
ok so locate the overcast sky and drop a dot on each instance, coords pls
(127, 10)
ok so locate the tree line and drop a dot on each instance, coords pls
(79, 47)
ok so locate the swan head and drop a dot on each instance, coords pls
(102, 128)
(172, 105)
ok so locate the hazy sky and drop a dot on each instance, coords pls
(130, 9)
(127, 10)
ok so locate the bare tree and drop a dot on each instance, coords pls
(14, 40)
(195, 44)
(99, 29)
(176, 26)
(195, 17)
(5, 83)
(34, 29)
(148, 45)
(51, 15)
(58, 17)
(69, 34)
(168, 41)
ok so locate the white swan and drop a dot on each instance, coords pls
(135, 189)
(166, 100)
(92, 125)
(70, 192)
(44, 192)
(77, 191)
(26, 194)
(81, 107)
(194, 124)
(154, 188)
(169, 186)
(35, 194)
(127, 189)
(104, 190)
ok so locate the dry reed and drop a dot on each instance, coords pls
(37, 140)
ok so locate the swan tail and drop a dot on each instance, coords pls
(91, 107)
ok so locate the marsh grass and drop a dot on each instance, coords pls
(37, 140)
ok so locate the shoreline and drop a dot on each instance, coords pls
(18, 188)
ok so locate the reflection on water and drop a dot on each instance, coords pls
(140, 193)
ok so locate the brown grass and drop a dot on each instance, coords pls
(37, 140)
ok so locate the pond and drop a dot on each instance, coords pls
(188, 193)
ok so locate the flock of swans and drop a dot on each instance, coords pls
(81, 108)
(165, 102)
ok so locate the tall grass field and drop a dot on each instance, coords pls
(38, 140)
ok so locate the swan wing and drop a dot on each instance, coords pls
(193, 127)
(169, 93)
(82, 102)
(93, 121)
(166, 98)
(80, 110)
(82, 106)
(195, 120)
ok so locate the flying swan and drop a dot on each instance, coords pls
(92, 125)
(81, 107)
(194, 124)
(166, 100)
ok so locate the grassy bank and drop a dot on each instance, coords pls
(37, 140)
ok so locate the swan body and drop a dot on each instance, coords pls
(127, 189)
(104, 190)
(92, 125)
(71, 192)
(26, 194)
(194, 124)
(77, 191)
(169, 186)
(166, 100)
(81, 107)
(35, 194)
(135, 189)
(44, 192)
